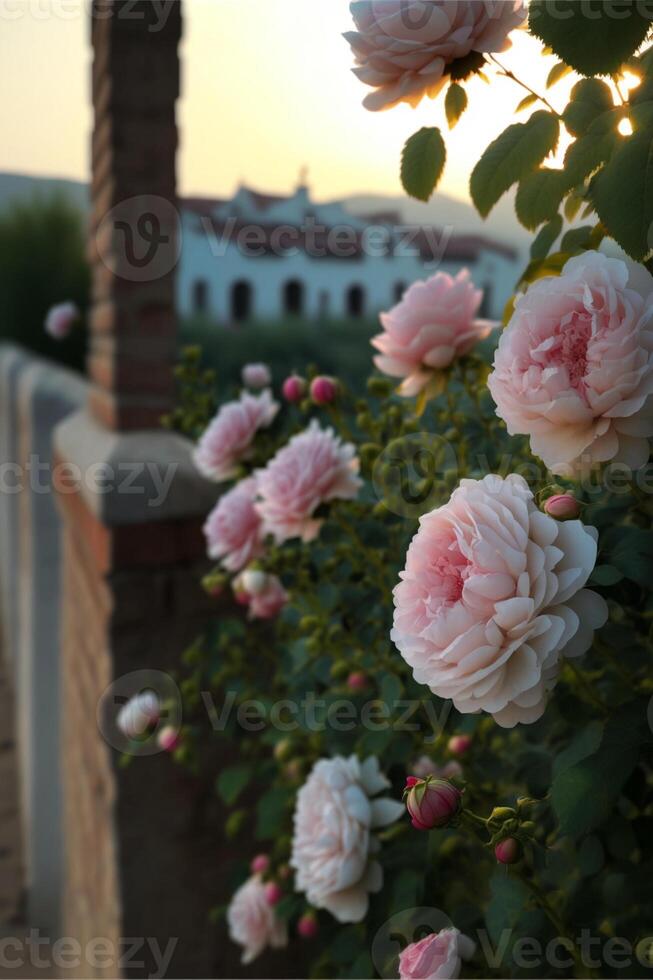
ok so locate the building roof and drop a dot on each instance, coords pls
(457, 248)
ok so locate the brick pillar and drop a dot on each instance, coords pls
(133, 548)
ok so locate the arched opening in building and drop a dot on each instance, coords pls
(486, 302)
(241, 301)
(293, 297)
(355, 301)
(200, 297)
(398, 291)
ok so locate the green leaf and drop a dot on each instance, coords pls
(622, 193)
(588, 99)
(509, 158)
(271, 811)
(583, 745)
(591, 856)
(584, 794)
(586, 154)
(455, 103)
(546, 237)
(630, 549)
(557, 72)
(573, 203)
(231, 782)
(605, 575)
(593, 37)
(422, 162)
(539, 196)
(576, 239)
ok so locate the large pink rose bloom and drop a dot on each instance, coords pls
(436, 957)
(574, 367)
(404, 47)
(233, 529)
(333, 844)
(312, 469)
(228, 438)
(252, 921)
(492, 599)
(434, 323)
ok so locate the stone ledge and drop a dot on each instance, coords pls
(127, 478)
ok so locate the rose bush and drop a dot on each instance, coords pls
(507, 689)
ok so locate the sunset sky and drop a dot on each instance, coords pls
(267, 88)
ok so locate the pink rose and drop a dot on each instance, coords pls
(312, 469)
(60, 319)
(434, 323)
(233, 529)
(574, 367)
(256, 375)
(403, 48)
(492, 599)
(252, 921)
(228, 438)
(436, 957)
(333, 847)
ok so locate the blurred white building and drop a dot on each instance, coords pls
(265, 257)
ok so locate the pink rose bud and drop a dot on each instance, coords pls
(562, 506)
(432, 802)
(260, 864)
(307, 926)
(323, 390)
(168, 738)
(508, 851)
(294, 388)
(273, 893)
(256, 375)
(357, 681)
(459, 744)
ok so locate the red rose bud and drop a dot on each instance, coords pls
(168, 738)
(508, 851)
(260, 864)
(307, 926)
(293, 388)
(459, 744)
(357, 681)
(273, 893)
(323, 390)
(431, 802)
(562, 506)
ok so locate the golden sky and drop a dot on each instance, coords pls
(267, 88)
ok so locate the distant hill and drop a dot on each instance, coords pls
(441, 210)
(15, 187)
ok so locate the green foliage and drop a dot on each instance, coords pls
(511, 157)
(623, 195)
(422, 162)
(42, 262)
(539, 196)
(593, 37)
(455, 103)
